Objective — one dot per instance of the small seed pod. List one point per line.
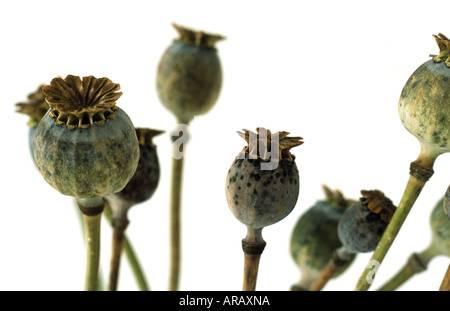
(145, 180)
(362, 224)
(314, 238)
(35, 107)
(424, 108)
(85, 146)
(189, 75)
(262, 188)
(261, 197)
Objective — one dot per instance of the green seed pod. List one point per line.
(362, 224)
(85, 146)
(314, 238)
(424, 105)
(189, 75)
(145, 180)
(35, 107)
(259, 197)
(440, 229)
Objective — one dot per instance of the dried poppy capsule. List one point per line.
(262, 188)
(139, 189)
(359, 230)
(314, 238)
(35, 107)
(85, 146)
(362, 225)
(189, 76)
(424, 110)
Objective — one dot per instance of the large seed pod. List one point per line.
(424, 105)
(314, 238)
(261, 197)
(189, 75)
(85, 146)
(362, 224)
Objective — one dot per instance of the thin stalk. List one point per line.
(92, 225)
(417, 262)
(116, 254)
(119, 224)
(253, 246)
(340, 258)
(327, 274)
(130, 253)
(445, 285)
(421, 171)
(175, 222)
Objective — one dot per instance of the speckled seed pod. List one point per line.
(35, 107)
(85, 146)
(259, 198)
(362, 224)
(189, 75)
(314, 238)
(424, 105)
(145, 180)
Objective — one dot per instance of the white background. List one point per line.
(329, 71)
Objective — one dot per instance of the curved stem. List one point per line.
(445, 285)
(132, 258)
(421, 170)
(416, 263)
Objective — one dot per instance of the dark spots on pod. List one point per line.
(249, 184)
(255, 176)
(282, 180)
(436, 138)
(266, 183)
(277, 175)
(442, 118)
(415, 84)
(235, 197)
(233, 178)
(445, 79)
(236, 202)
(239, 188)
(254, 191)
(229, 171)
(241, 177)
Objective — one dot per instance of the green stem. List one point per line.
(132, 258)
(116, 254)
(416, 263)
(92, 225)
(83, 231)
(175, 223)
(421, 171)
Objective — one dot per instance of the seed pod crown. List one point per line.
(35, 106)
(378, 203)
(77, 102)
(198, 38)
(444, 45)
(262, 142)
